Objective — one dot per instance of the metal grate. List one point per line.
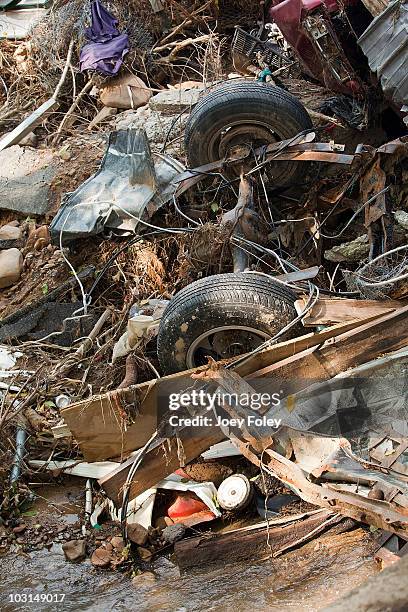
(249, 46)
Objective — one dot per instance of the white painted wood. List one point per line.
(29, 124)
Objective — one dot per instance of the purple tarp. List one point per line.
(107, 47)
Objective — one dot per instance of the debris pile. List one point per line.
(203, 283)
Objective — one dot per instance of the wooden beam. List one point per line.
(243, 544)
(161, 461)
(29, 124)
(284, 350)
(328, 311)
(368, 341)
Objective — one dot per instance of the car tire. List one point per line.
(241, 302)
(258, 106)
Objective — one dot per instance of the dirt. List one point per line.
(80, 157)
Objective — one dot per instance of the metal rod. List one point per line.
(21, 437)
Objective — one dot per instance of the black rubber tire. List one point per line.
(242, 299)
(246, 102)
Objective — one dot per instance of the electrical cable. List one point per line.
(354, 216)
(132, 471)
(182, 214)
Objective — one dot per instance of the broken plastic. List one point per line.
(140, 326)
(140, 509)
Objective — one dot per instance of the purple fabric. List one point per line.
(103, 25)
(107, 47)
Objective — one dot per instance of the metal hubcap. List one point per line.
(239, 140)
(223, 343)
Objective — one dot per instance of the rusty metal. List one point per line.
(321, 156)
(371, 511)
(319, 460)
(400, 145)
(380, 513)
(295, 149)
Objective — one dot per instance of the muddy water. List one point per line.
(307, 579)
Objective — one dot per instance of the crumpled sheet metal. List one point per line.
(382, 514)
(385, 44)
(373, 396)
(131, 184)
(311, 433)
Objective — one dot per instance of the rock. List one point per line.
(20, 528)
(137, 534)
(74, 550)
(173, 101)
(144, 553)
(25, 177)
(10, 237)
(161, 523)
(157, 125)
(30, 140)
(101, 557)
(65, 153)
(118, 543)
(11, 264)
(145, 579)
(173, 533)
(356, 250)
(105, 113)
(38, 238)
(401, 218)
(187, 85)
(126, 91)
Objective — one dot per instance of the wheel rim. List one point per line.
(239, 138)
(224, 342)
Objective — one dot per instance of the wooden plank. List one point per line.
(300, 275)
(99, 424)
(360, 345)
(328, 311)
(160, 462)
(284, 350)
(61, 431)
(243, 544)
(113, 424)
(28, 125)
(350, 349)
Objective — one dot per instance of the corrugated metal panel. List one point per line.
(385, 43)
(375, 6)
